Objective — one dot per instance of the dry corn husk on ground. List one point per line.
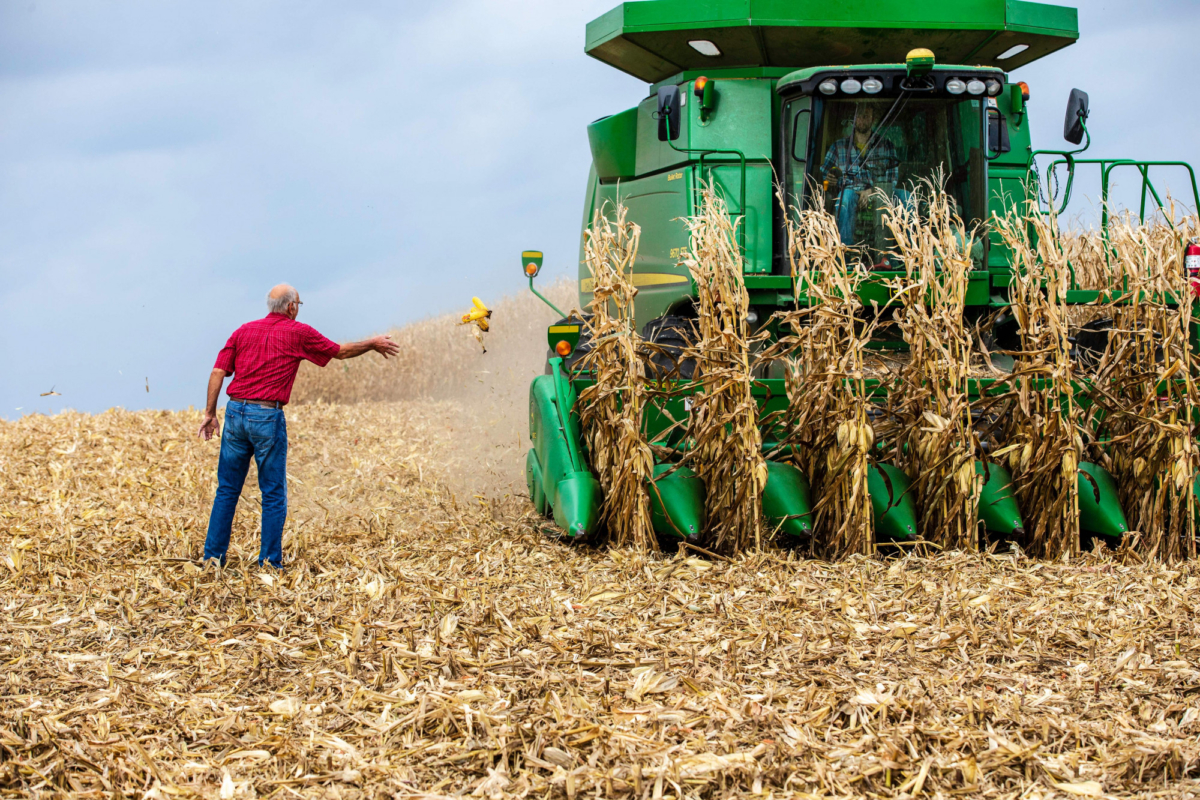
(423, 645)
(826, 426)
(723, 422)
(611, 409)
(930, 404)
(1145, 386)
(1043, 443)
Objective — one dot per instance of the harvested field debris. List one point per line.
(422, 644)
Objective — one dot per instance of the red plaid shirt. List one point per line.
(264, 355)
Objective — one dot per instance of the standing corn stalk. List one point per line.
(611, 409)
(931, 405)
(724, 418)
(1043, 428)
(826, 427)
(1145, 384)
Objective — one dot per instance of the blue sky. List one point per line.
(162, 164)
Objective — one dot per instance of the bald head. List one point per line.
(280, 299)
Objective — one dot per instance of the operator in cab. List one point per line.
(854, 167)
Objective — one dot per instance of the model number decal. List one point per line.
(674, 176)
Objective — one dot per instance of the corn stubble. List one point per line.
(825, 429)
(1145, 386)
(611, 409)
(1042, 433)
(934, 440)
(420, 646)
(723, 422)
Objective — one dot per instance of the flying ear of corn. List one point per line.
(1145, 387)
(723, 423)
(611, 409)
(1044, 446)
(930, 404)
(825, 429)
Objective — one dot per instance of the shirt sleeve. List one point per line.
(225, 358)
(316, 348)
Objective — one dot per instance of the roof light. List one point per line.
(872, 86)
(1024, 91)
(828, 87)
(955, 86)
(851, 86)
(698, 87)
(1012, 51)
(976, 87)
(994, 87)
(705, 48)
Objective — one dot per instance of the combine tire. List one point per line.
(671, 335)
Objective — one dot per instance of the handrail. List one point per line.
(1108, 165)
(742, 198)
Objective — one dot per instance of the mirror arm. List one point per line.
(541, 297)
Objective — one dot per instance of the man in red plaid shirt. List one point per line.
(263, 356)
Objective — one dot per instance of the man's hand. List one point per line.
(210, 427)
(384, 345)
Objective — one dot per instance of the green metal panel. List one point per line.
(741, 119)
(650, 39)
(760, 210)
(614, 145)
(657, 203)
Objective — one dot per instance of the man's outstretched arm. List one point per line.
(210, 427)
(380, 344)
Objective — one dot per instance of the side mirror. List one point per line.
(669, 113)
(1077, 114)
(531, 262)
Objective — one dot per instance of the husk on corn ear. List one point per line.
(611, 409)
(723, 422)
(1044, 446)
(1145, 387)
(825, 428)
(930, 405)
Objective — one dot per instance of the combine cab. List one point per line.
(751, 95)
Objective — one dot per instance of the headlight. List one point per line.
(955, 86)
(994, 88)
(828, 87)
(976, 87)
(872, 86)
(851, 86)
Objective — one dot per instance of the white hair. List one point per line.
(278, 305)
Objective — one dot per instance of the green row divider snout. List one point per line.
(892, 503)
(787, 500)
(677, 502)
(1100, 511)
(998, 509)
(576, 504)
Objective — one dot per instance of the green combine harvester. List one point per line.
(745, 94)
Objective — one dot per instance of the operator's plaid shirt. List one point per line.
(862, 171)
(264, 355)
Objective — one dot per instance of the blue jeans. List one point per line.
(260, 432)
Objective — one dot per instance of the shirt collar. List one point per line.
(280, 316)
